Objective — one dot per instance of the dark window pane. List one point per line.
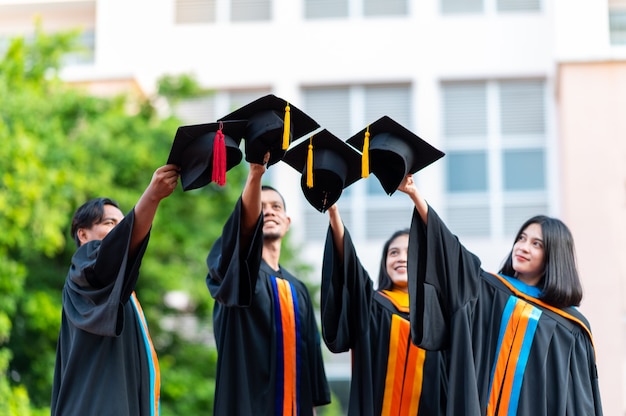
(322, 9)
(524, 170)
(467, 171)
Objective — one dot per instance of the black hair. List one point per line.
(271, 188)
(88, 214)
(384, 280)
(560, 284)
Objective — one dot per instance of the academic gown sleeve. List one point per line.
(346, 296)
(233, 269)
(443, 276)
(101, 279)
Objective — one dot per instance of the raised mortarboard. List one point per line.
(328, 166)
(391, 151)
(272, 124)
(205, 152)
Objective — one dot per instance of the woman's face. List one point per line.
(529, 256)
(396, 261)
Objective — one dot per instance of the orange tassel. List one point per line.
(365, 161)
(309, 165)
(287, 127)
(218, 175)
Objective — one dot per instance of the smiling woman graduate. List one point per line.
(517, 344)
(390, 375)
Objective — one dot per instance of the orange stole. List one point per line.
(287, 341)
(405, 365)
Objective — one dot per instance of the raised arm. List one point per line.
(336, 225)
(163, 183)
(251, 201)
(408, 187)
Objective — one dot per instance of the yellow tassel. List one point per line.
(365, 161)
(287, 127)
(309, 165)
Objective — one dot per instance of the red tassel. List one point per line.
(219, 159)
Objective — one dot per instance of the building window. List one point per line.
(385, 8)
(195, 11)
(197, 110)
(617, 25)
(461, 6)
(366, 209)
(324, 9)
(517, 5)
(480, 6)
(495, 137)
(210, 107)
(531, 163)
(467, 171)
(250, 10)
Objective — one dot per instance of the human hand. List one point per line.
(407, 185)
(164, 181)
(258, 169)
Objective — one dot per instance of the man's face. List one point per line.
(275, 219)
(112, 216)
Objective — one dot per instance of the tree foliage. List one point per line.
(60, 147)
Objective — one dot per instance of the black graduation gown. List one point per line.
(388, 371)
(509, 352)
(105, 362)
(251, 366)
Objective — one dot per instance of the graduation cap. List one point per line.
(391, 152)
(328, 166)
(205, 152)
(272, 123)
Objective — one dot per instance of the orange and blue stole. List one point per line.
(287, 347)
(405, 363)
(153, 362)
(517, 331)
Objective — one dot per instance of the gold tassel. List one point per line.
(309, 165)
(287, 127)
(365, 162)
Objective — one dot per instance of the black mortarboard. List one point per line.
(205, 152)
(391, 152)
(328, 165)
(272, 125)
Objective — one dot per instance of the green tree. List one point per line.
(62, 146)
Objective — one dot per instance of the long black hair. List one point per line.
(88, 214)
(560, 284)
(384, 280)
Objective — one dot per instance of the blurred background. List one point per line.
(526, 97)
